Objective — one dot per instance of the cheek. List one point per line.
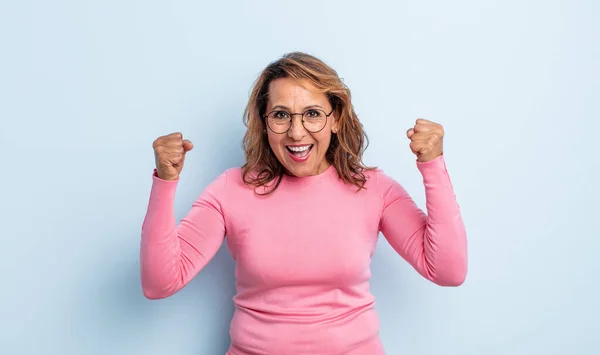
(323, 141)
(274, 142)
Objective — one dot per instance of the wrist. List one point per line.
(166, 177)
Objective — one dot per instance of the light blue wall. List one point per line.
(86, 86)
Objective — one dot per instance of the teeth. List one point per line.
(299, 149)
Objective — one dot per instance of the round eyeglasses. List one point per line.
(313, 120)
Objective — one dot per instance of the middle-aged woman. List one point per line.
(301, 218)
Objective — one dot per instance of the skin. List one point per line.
(426, 140)
(426, 137)
(296, 96)
(169, 155)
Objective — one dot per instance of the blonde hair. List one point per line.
(262, 168)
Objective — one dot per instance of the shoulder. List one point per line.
(227, 177)
(234, 176)
(220, 187)
(384, 184)
(376, 178)
(231, 180)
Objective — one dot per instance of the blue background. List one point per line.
(86, 86)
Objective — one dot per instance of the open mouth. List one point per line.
(299, 152)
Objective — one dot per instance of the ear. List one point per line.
(335, 127)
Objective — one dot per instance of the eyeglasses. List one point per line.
(313, 120)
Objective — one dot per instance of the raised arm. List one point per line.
(435, 244)
(172, 253)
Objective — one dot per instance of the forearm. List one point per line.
(444, 236)
(160, 249)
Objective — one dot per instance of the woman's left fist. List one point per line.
(426, 140)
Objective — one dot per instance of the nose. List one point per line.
(296, 131)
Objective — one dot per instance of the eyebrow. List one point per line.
(288, 109)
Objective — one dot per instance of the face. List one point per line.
(301, 152)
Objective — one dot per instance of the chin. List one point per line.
(308, 168)
(298, 169)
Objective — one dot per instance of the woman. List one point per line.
(302, 217)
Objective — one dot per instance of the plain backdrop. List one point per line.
(86, 86)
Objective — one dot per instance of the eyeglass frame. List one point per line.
(265, 117)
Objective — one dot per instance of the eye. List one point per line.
(312, 114)
(282, 115)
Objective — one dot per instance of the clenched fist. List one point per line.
(169, 153)
(426, 140)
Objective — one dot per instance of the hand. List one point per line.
(426, 140)
(169, 154)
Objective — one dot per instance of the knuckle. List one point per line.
(170, 138)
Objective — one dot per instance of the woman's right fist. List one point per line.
(169, 154)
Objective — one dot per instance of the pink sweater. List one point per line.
(303, 253)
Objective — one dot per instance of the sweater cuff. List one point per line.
(163, 189)
(434, 171)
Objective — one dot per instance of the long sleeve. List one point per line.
(172, 254)
(435, 244)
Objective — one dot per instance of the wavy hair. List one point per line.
(262, 168)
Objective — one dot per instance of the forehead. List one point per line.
(290, 92)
